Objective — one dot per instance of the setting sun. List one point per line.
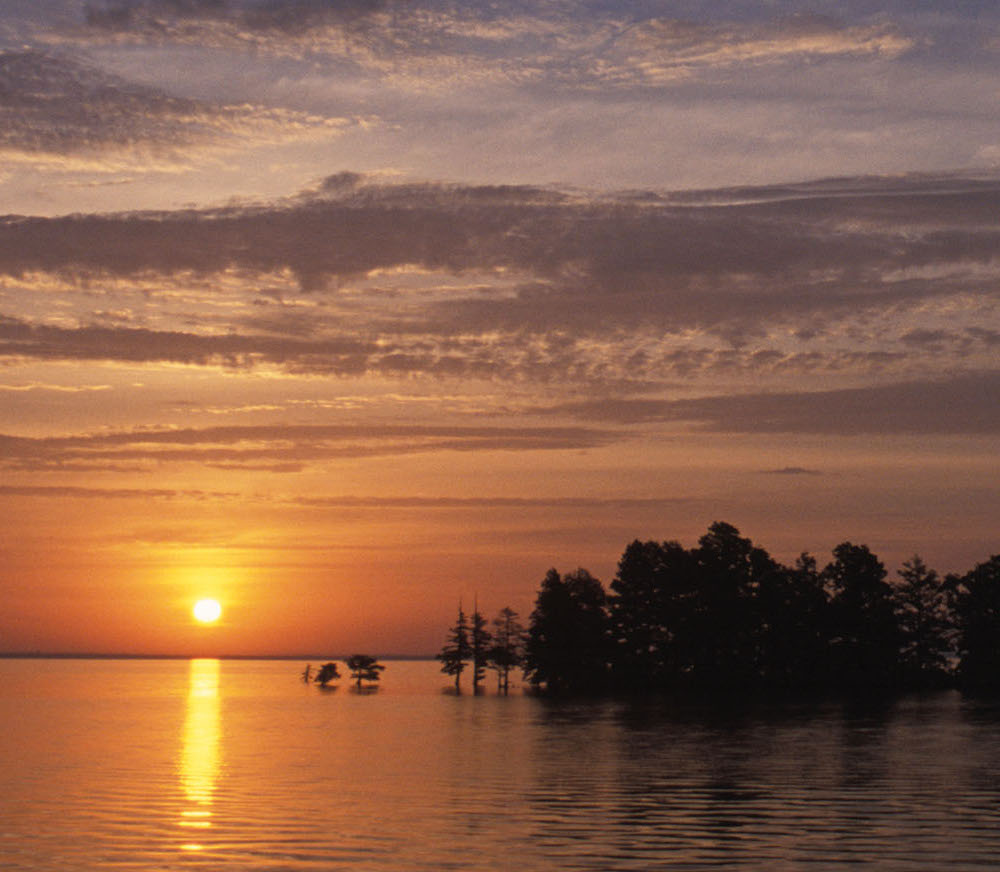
(207, 611)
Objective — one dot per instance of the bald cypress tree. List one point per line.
(507, 650)
(457, 651)
(479, 647)
(864, 637)
(977, 607)
(925, 624)
(568, 643)
(364, 669)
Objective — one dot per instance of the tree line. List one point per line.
(725, 616)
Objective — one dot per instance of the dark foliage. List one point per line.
(925, 625)
(364, 668)
(864, 632)
(457, 651)
(726, 617)
(327, 672)
(977, 611)
(507, 650)
(568, 641)
(479, 644)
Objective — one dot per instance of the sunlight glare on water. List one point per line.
(238, 765)
(200, 755)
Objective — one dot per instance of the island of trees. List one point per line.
(726, 617)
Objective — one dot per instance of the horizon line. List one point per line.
(95, 655)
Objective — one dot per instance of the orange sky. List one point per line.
(344, 322)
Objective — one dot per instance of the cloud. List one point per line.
(965, 404)
(19, 339)
(406, 503)
(61, 492)
(59, 389)
(660, 51)
(850, 276)
(67, 114)
(835, 248)
(420, 44)
(279, 447)
(464, 503)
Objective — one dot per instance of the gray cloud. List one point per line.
(967, 404)
(850, 275)
(18, 338)
(631, 261)
(56, 108)
(824, 247)
(571, 43)
(279, 447)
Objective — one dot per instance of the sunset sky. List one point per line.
(341, 311)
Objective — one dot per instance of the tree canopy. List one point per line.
(364, 669)
(725, 616)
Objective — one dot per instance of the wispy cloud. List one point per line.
(968, 404)
(67, 114)
(346, 501)
(279, 448)
(425, 44)
(58, 389)
(61, 492)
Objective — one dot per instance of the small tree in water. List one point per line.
(480, 639)
(507, 651)
(327, 672)
(457, 651)
(364, 668)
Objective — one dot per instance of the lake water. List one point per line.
(237, 765)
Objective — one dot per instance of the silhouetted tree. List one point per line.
(730, 570)
(327, 672)
(977, 611)
(793, 646)
(922, 609)
(364, 668)
(479, 642)
(651, 615)
(457, 651)
(567, 646)
(506, 653)
(864, 629)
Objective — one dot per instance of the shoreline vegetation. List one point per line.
(725, 619)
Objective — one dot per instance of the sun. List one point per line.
(207, 611)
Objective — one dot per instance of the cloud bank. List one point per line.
(868, 277)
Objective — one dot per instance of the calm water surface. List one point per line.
(146, 765)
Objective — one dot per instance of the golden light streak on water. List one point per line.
(199, 767)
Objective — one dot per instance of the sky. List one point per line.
(346, 312)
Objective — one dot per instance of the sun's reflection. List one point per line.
(200, 751)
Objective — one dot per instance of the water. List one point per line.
(164, 765)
